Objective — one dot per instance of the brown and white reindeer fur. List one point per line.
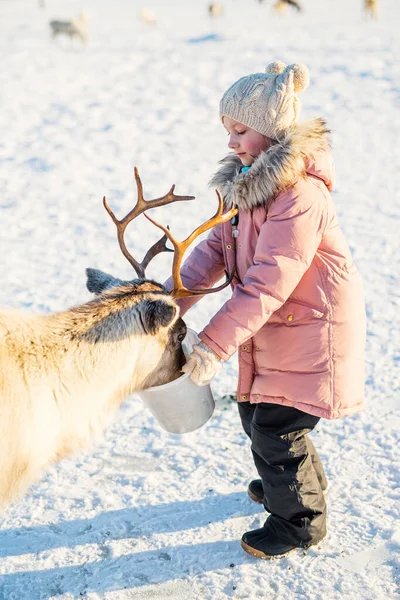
(63, 376)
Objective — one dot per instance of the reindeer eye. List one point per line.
(181, 337)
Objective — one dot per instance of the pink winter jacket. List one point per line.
(297, 313)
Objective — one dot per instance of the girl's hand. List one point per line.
(203, 363)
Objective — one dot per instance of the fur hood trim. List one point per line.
(274, 170)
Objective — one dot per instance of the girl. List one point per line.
(296, 315)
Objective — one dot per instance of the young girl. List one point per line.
(296, 315)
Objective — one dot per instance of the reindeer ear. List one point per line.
(97, 281)
(155, 314)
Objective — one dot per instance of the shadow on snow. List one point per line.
(134, 569)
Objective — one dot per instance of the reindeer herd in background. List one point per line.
(78, 27)
(369, 7)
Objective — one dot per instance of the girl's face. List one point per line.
(245, 142)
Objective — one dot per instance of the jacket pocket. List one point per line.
(294, 313)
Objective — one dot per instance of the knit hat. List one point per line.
(267, 102)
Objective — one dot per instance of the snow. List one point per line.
(145, 514)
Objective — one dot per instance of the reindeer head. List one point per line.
(141, 308)
(155, 310)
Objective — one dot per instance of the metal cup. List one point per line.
(180, 406)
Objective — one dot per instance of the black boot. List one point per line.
(259, 544)
(265, 543)
(256, 490)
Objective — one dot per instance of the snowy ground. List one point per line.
(145, 514)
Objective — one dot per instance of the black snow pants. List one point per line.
(292, 474)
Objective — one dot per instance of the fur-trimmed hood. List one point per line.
(303, 149)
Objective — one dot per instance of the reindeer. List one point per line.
(75, 28)
(147, 16)
(281, 6)
(215, 10)
(371, 9)
(63, 376)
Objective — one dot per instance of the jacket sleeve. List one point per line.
(202, 269)
(287, 243)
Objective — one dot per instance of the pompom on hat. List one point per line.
(267, 102)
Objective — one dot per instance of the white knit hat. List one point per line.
(267, 102)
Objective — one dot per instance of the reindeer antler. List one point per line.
(140, 207)
(180, 291)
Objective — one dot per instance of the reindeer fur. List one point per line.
(63, 376)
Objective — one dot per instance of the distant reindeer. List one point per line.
(215, 9)
(63, 376)
(77, 28)
(147, 16)
(281, 6)
(371, 9)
